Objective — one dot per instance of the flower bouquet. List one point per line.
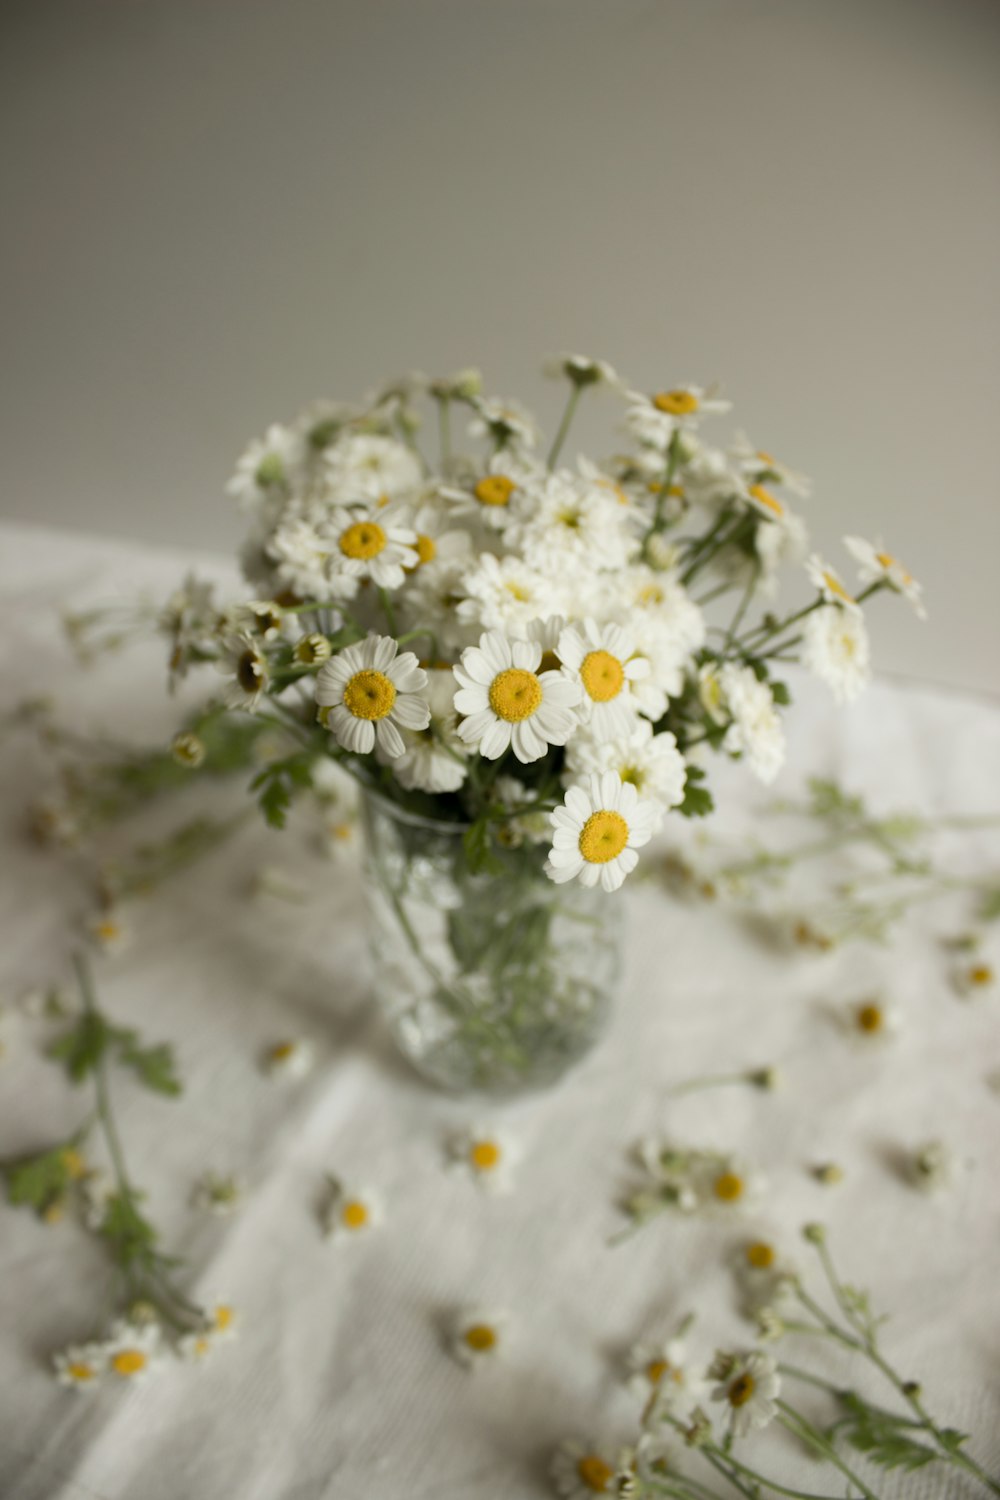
(523, 663)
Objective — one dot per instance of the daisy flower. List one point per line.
(132, 1350)
(765, 1278)
(835, 647)
(760, 467)
(660, 1366)
(299, 550)
(494, 496)
(475, 1336)
(654, 419)
(433, 759)
(370, 693)
(570, 518)
(291, 1058)
(756, 728)
(579, 1471)
(366, 548)
(504, 593)
(875, 564)
(601, 661)
(931, 1166)
(245, 666)
(221, 1324)
(506, 423)
(508, 703)
(829, 583)
(726, 1184)
(368, 468)
(80, 1366)
(267, 466)
(347, 1213)
(748, 1385)
(485, 1155)
(650, 762)
(597, 832)
(975, 979)
(581, 370)
(870, 1021)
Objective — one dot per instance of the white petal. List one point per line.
(389, 738)
(411, 711)
(612, 875)
(495, 741)
(527, 743)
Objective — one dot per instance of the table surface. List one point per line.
(340, 1384)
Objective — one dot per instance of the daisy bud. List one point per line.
(814, 1233)
(188, 750)
(311, 650)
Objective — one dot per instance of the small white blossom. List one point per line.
(748, 1386)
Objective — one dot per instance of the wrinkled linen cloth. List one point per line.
(340, 1383)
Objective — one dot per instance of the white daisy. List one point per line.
(760, 467)
(506, 423)
(369, 693)
(246, 667)
(976, 979)
(484, 1154)
(835, 647)
(508, 703)
(666, 659)
(433, 759)
(778, 543)
(870, 1022)
(366, 548)
(654, 595)
(368, 468)
(875, 563)
(650, 762)
(829, 583)
(726, 1185)
(571, 518)
(290, 1058)
(476, 1336)
(654, 419)
(504, 593)
(931, 1166)
(748, 1386)
(660, 1366)
(221, 1324)
(347, 1213)
(132, 1350)
(494, 497)
(765, 1278)
(300, 551)
(601, 661)
(267, 467)
(579, 1471)
(581, 370)
(756, 728)
(80, 1366)
(597, 832)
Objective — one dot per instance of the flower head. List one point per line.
(348, 1213)
(836, 649)
(507, 703)
(597, 831)
(484, 1154)
(748, 1388)
(600, 661)
(875, 565)
(370, 692)
(476, 1336)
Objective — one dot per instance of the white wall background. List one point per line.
(213, 211)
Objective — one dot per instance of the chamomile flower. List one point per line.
(505, 593)
(836, 649)
(600, 660)
(581, 370)
(760, 467)
(660, 1366)
(109, 931)
(267, 466)
(367, 468)
(726, 1185)
(829, 583)
(876, 564)
(650, 762)
(580, 1471)
(508, 703)
(476, 1336)
(369, 548)
(133, 1350)
(370, 693)
(187, 750)
(494, 496)
(756, 728)
(931, 1166)
(485, 1155)
(433, 759)
(221, 1324)
(289, 1058)
(81, 1366)
(244, 664)
(597, 831)
(348, 1213)
(976, 979)
(506, 423)
(871, 1021)
(656, 597)
(654, 419)
(748, 1386)
(570, 521)
(765, 1277)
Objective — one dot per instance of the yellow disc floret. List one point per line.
(766, 499)
(602, 675)
(480, 1337)
(594, 1473)
(603, 837)
(760, 1255)
(728, 1187)
(129, 1362)
(426, 548)
(494, 489)
(369, 695)
(836, 588)
(354, 1214)
(363, 540)
(484, 1155)
(676, 403)
(741, 1389)
(515, 694)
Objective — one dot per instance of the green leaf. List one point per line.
(154, 1066)
(131, 1237)
(989, 905)
(81, 1048)
(278, 783)
(698, 801)
(888, 1447)
(780, 693)
(478, 847)
(38, 1181)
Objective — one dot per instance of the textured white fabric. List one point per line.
(339, 1384)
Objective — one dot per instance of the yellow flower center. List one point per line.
(129, 1362)
(480, 1337)
(363, 540)
(602, 676)
(249, 671)
(633, 775)
(760, 1255)
(741, 1389)
(886, 560)
(835, 587)
(766, 458)
(981, 974)
(655, 1370)
(81, 1372)
(515, 694)
(676, 403)
(54, 1211)
(650, 593)
(603, 837)
(594, 1473)
(202, 1345)
(870, 1018)
(282, 1052)
(222, 1317)
(426, 548)
(494, 489)
(766, 499)
(74, 1163)
(354, 1214)
(728, 1187)
(485, 1155)
(369, 695)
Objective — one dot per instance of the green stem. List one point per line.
(803, 1429)
(387, 609)
(564, 424)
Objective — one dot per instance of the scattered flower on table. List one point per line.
(80, 1366)
(726, 1184)
(871, 1021)
(290, 1058)
(109, 931)
(188, 750)
(486, 1155)
(748, 1387)
(828, 1173)
(218, 1193)
(220, 1326)
(764, 1276)
(133, 1350)
(580, 1470)
(659, 1367)
(931, 1166)
(976, 979)
(348, 1213)
(476, 1336)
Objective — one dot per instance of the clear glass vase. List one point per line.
(495, 981)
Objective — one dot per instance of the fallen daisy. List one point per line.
(291, 1058)
(485, 1155)
(221, 1325)
(579, 1471)
(347, 1214)
(80, 1366)
(748, 1386)
(871, 1021)
(476, 1336)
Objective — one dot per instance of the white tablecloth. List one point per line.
(339, 1385)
